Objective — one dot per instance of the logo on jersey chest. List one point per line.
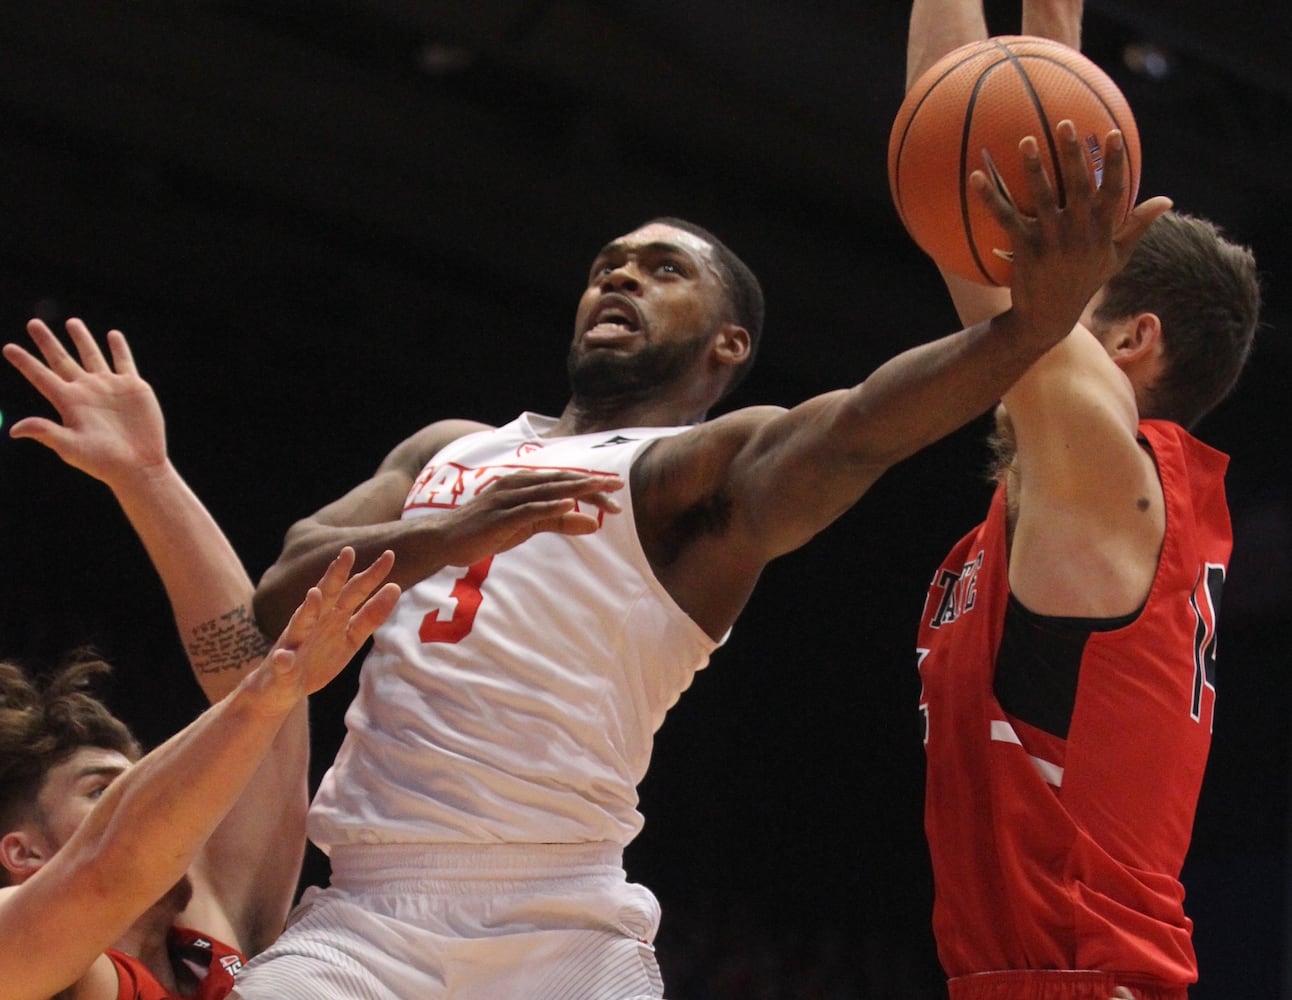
(448, 485)
(611, 442)
(953, 593)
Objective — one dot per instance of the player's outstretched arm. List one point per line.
(151, 821)
(766, 481)
(1062, 256)
(508, 511)
(112, 429)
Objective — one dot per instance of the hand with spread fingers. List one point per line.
(520, 505)
(1065, 253)
(112, 426)
(332, 623)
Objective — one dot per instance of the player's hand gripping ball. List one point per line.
(968, 112)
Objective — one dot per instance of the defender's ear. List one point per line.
(731, 345)
(22, 855)
(1136, 339)
(1135, 346)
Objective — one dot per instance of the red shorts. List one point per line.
(1056, 985)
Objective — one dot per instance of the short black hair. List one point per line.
(744, 293)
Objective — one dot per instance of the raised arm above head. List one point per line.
(1059, 20)
(154, 817)
(936, 28)
(112, 429)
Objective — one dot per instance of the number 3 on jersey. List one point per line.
(466, 598)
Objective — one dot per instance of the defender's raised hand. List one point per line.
(335, 619)
(112, 425)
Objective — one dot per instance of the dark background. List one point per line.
(325, 224)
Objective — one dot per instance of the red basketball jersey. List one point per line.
(1065, 756)
(213, 963)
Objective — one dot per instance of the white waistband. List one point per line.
(364, 865)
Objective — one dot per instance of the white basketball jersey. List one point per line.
(515, 700)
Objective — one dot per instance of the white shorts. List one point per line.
(419, 922)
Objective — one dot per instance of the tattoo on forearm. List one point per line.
(227, 642)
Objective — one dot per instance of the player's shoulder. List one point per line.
(411, 454)
(723, 435)
(735, 427)
(750, 416)
(700, 455)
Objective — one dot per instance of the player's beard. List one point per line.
(601, 377)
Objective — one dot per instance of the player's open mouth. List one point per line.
(614, 322)
(615, 310)
(609, 333)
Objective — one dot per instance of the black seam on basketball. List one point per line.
(1055, 172)
(1116, 122)
(964, 171)
(910, 121)
(1014, 59)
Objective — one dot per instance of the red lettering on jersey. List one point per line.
(449, 485)
(466, 597)
(446, 486)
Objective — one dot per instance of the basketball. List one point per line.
(968, 112)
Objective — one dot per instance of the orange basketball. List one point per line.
(978, 102)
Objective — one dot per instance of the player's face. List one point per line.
(72, 789)
(653, 301)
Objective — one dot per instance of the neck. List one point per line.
(582, 416)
